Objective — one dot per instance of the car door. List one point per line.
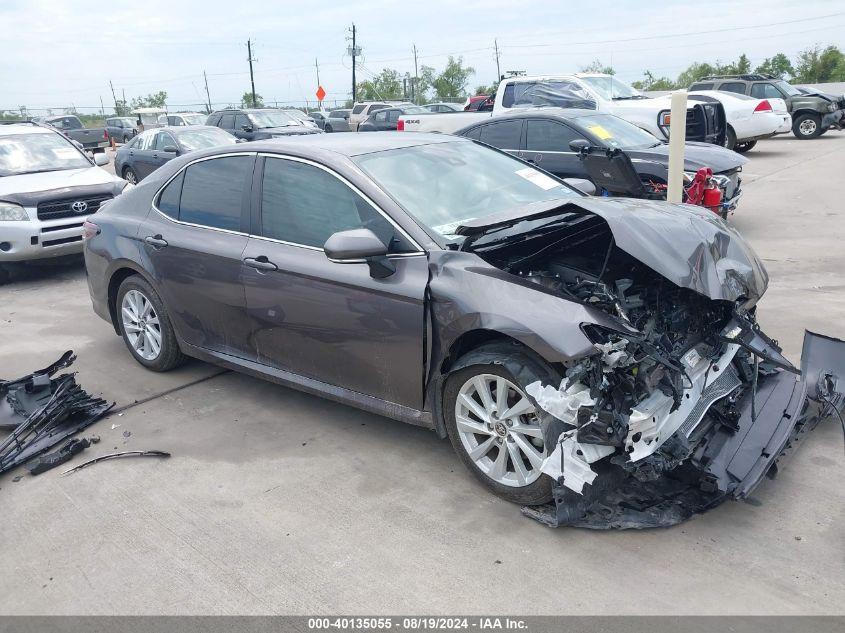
(163, 140)
(141, 156)
(505, 135)
(243, 127)
(546, 144)
(193, 242)
(379, 120)
(392, 119)
(332, 322)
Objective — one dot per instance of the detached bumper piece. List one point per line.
(40, 411)
(744, 438)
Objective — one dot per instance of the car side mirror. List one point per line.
(101, 160)
(581, 184)
(170, 149)
(579, 145)
(360, 245)
(246, 128)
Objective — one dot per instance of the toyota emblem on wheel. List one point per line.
(80, 206)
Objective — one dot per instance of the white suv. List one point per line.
(48, 186)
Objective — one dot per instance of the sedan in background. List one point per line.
(182, 119)
(151, 149)
(441, 108)
(543, 136)
(255, 124)
(388, 119)
(121, 128)
(338, 121)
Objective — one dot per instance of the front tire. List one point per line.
(145, 326)
(327, 129)
(807, 126)
(742, 148)
(494, 427)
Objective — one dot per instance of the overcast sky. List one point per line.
(62, 52)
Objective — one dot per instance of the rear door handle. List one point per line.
(260, 263)
(155, 241)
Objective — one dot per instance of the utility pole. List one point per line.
(102, 109)
(354, 51)
(498, 71)
(207, 93)
(124, 109)
(251, 76)
(113, 96)
(416, 77)
(317, 66)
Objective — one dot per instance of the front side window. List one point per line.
(213, 190)
(33, 153)
(162, 140)
(227, 121)
(303, 204)
(358, 109)
(446, 184)
(380, 117)
(765, 91)
(241, 121)
(504, 135)
(788, 89)
(543, 135)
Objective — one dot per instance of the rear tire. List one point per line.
(145, 326)
(490, 366)
(744, 147)
(130, 176)
(4, 275)
(327, 129)
(807, 126)
(730, 138)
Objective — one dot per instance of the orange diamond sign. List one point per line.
(321, 94)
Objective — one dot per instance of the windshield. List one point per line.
(787, 88)
(272, 118)
(30, 153)
(200, 139)
(612, 131)
(444, 185)
(611, 88)
(194, 119)
(415, 110)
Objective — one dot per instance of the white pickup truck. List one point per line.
(593, 91)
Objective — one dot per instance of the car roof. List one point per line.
(12, 129)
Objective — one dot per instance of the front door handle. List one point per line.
(260, 263)
(156, 241)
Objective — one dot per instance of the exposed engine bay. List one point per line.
(637, 425)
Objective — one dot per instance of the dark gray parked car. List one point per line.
(121, 129)
(151, 149)
(571, 348)
(260, 123)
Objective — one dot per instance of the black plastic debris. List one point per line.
(103, 458)
(39, 411)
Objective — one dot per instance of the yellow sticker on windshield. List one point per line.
(600, 132)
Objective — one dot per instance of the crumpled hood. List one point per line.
(688, 245)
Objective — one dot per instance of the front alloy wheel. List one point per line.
(145, 325)
(499, 429)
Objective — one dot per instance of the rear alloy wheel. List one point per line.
(130, 176)
(145, 326)
(495, 428)
(807, 126)
(744, 147)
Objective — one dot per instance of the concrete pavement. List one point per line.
(279, 502)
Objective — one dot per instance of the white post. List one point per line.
(677, 139)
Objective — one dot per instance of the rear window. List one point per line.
(212, 192)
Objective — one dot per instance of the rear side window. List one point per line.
(213, 191)
(504, 135)
(701, 87)
(213, 119)
(168, 199)
(377, 106)
(765, 91)
(548, 136)
(392, 116)
(305, 205)
(733, 86)
(227, 121)
(474, 133)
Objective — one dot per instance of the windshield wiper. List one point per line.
(629, 97)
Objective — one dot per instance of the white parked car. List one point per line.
(363, 109)
(48, 186)
(750, 119)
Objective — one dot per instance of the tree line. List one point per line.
(813, 65)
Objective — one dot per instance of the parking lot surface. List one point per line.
(279, 502)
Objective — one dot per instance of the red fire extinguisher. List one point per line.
(704, 191)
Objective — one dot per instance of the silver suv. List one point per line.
(48, 186)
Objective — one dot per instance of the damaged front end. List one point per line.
(685, 402)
